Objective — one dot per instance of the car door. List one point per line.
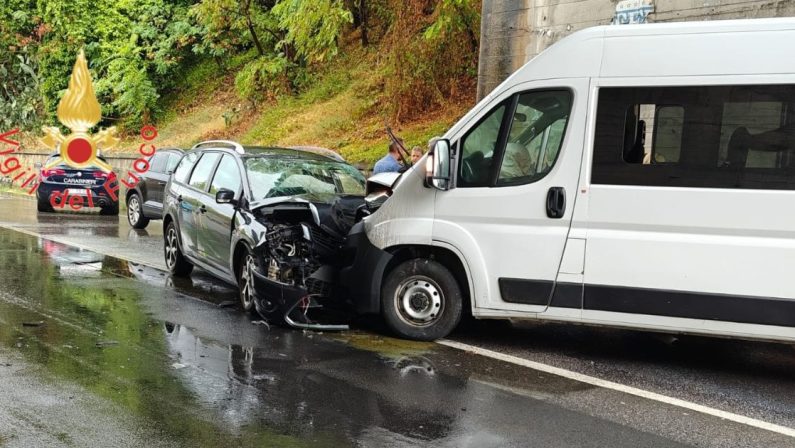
(511, 209)
(154, 183)
(194, 202)
(215, 236)
(174, 198)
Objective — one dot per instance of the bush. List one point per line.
(432, 54)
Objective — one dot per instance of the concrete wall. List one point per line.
(514, 31)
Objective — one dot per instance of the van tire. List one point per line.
(421, 300)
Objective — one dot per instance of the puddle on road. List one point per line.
(205, 376)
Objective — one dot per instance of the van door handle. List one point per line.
(556, 202)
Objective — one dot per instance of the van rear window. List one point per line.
(706, 136)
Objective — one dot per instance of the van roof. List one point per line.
(706, 48)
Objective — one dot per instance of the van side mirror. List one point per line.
(437, 166)
(225, 196)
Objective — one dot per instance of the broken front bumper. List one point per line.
(287, 298)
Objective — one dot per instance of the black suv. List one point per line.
(145, 200)
(269, 220)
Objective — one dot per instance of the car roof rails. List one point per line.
(229, 144)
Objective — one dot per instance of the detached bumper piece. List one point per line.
(292, 302)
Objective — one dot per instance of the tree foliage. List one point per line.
(138, 48)
(312, 27)
(433, 53)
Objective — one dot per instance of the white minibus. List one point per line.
(638, 176)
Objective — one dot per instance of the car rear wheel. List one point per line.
(421, 300)
(110, 210)
(245, 279)
(175, 261)
(44, 206)
(135, 213)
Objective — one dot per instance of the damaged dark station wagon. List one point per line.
(270, 220)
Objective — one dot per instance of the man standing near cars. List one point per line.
(390, 162)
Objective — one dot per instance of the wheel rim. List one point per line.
(134, 210)
(171, 247)
(247, 282)
(419, 301)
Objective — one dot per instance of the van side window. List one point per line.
(535, 136)
(477, 150)
(696, 136)
(653, 134)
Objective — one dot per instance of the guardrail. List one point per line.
(121, 164)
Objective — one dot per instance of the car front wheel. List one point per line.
(421, 300)
(135, 213)
(175, 261)
(245, 279)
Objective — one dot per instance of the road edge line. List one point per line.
(605, 384)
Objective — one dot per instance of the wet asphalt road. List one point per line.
(98, 351)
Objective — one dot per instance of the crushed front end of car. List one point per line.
(299, 258)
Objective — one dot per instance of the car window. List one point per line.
(185, 166)
(316, 180)
(226, 176)
(157, 163)
(204, 169)
(173, 160)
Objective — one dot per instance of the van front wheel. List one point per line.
(421, 300)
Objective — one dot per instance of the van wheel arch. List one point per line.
(445, 257)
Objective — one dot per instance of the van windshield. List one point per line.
(310, 179)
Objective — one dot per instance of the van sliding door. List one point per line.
(691, 208)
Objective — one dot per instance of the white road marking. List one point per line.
(790, 432)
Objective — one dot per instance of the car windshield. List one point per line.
(310, 179)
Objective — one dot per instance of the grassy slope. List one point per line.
(340, 109)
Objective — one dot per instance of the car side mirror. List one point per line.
(437, 166)
(225, 196)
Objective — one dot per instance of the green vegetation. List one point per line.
(309, 72)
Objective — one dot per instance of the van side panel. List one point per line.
(702, 232)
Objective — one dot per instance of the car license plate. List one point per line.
(76, 191)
